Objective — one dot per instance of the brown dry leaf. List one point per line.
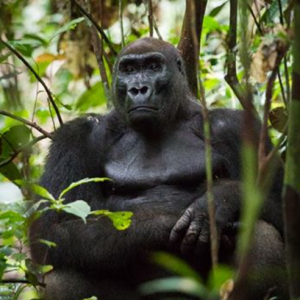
(48, 57)
(264, 59)
(226, 289)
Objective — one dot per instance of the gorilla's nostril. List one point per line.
(133, 91)
(144, 90)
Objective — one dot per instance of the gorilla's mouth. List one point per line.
(143, 108)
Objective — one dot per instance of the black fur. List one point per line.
(152, 147)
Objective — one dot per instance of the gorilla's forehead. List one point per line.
(148, 45)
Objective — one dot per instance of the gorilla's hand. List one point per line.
(192, 231)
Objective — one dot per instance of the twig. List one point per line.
(99, 29)
(264, 130)
(18, 151)
(99, 56)
(231, 76)
(255, 20)
(150, 17)
(156, 29)
(121, 23)
(186, 45)
(286, 72)
(31, 124)
(208, 148)
(38, 79)
(22, 281)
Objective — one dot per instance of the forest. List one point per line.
(62, 60)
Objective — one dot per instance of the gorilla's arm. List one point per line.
(76, 154)
(192, 229)
(97, 245)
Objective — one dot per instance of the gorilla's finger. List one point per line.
(191, 236)
(180, 227)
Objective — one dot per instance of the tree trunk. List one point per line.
(292, 170)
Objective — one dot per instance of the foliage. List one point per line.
(56, 43)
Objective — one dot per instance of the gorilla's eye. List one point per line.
(128, 69)
(155, 67)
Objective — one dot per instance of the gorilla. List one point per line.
(151, 145)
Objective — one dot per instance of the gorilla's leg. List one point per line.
(71, 285)
(268, 268)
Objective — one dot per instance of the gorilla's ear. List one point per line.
(180, 67)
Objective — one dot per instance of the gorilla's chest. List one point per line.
(176, 160)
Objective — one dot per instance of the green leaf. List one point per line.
(82, 181)
(10, 171)
(78, 208)
(121, 220)
(4, 57)
(13, 139)
(92, 298)
(12, 216)
(92, 97)
(36, 269)
(278, 118)
(175, 265)
(69, 26)
(187, 286)
(210, 24)
(215, 11)
(37, 189)
(219, 276)
(24, 47)
(3, 264)
(35, 40)
(273, 11)
(48, 243)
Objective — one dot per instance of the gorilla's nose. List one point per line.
(139, 93)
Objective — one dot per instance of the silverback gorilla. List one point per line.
(151, 146)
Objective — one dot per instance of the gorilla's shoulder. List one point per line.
(224, 119)
(91, 129)
(80, 127)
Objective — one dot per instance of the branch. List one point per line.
(150, 17)
(99, 29)
(31, 124)
(21, 281)
(214, 243)
(190, 51)
(39, 79)
(231, 76)
(121, 23)
(262, 155)
(98, 48)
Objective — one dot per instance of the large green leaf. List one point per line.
(10, 171)
(175, 265)
(273, 11)
(36, 189)
(78, 208)
(69, 26)
(80, 182)
(92, 97)
(13, 139)
(121, 219)
(186, 286)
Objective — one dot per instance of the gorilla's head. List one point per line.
(149, 84)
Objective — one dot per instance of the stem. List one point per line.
(150, 17)
(99, 29)
(121, 23)
(31, 124)
(39, 79)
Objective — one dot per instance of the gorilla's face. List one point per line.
(147, 87)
